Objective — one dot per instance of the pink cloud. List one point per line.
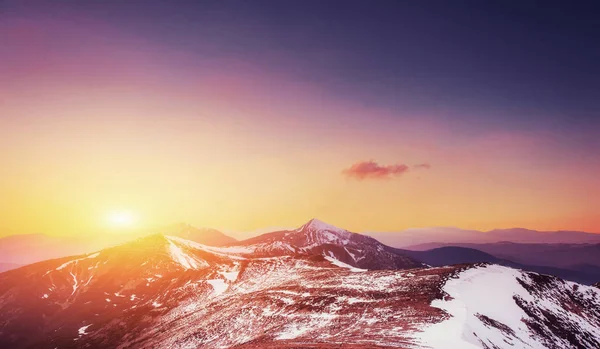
(372, 170)
(425, 166)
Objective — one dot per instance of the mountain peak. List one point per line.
(205, 236)
(317, 238)
(316, 225)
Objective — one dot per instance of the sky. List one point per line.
(372, 116)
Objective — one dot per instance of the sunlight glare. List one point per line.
(121, 219)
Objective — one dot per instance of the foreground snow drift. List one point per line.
(499, 307)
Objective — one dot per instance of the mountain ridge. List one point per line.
(318, 237)
(418, 236)
(164, 291)
(450, 255)
(31, 248)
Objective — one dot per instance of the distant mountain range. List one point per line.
(317, 286)
(450, 255)
(576, 256)
(419, 236)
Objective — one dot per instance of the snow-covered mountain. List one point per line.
(319, 238)
(17, 250)
(168, 292)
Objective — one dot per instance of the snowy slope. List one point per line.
(499, 307)
(319, 238)
(137, 276)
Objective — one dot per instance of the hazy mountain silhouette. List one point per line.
(445, 235)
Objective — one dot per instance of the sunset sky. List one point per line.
(375, 116)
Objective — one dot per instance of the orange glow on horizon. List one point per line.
(227, 147)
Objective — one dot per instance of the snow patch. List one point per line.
(487, 291)
(89, 280)
(219, 286)
(224, 251)
(75, 283)
(315, 224)
(186, 261)
(231, 275)
(344, 265)
(64, 265)
(82, 329)
(351, 254)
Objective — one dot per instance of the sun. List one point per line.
(121, 219)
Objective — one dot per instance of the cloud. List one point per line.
(424, 165)
(372, 170)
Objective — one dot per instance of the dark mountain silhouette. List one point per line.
(555, 255)
(450, 255)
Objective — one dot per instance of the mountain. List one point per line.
(415, 236)
(206, 236)
(555, 255)
(168, 292)
(522, 235)
(319, 238)
(55, 295)
(450, 255)
(499, 307)
(443, 235)
(31, 248)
